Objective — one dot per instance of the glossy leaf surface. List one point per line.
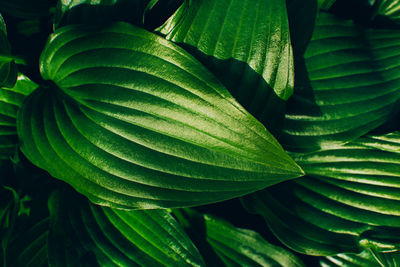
(246, 44)
(236, 246)
(350, 85)
(133, 121)
(8, 69)
(11, 100)
(100, 236)
(348, 200)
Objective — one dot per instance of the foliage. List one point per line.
(199, 133)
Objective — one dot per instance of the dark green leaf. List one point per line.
(8, 69)
(27, 9)
(389, 9)
(98, 236)
(348, 200)
(29, 247)
(364, 259)
(246, 44)
(134, 121)
(97, 12)
(237, 246)
(350, 85)
(11, 100)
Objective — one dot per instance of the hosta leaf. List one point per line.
(10, 101)
(349, 199)
(237, 246)
(134, 121)
(246, 44)
(365, 259)
(351, 85)
(99, 11)
(157, 12)
(389, 9)
(301, 15)
(29, 247)
(100, 236)
(8, 69)
(27, 9)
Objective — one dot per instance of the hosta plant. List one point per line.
(199, 133)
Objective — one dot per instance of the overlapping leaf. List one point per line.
(11, 100)
(363, 259)
(133, 121)
(350, 84)
(8, 69)
(96, 12)
(349, 199)
(98, 236)
(236, 246)
(246, 44)
(28, 248)
(389, 9)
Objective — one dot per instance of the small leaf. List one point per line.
(8, 69)
(100, 236)
(133, 121)
(348, 200)
(349, 85)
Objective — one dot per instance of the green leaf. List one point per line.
(27, 9)
(302, 15)
(29, 247)
(350, 85)
(133, 121)
(11, 100)
(246, 44)
(363, 259)
(348, 200)
(367, 258)
(98, 236)
(99, 11)
(237, 246)
(389, 9)
(325, 4)
(8, 69)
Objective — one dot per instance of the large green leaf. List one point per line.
(350, 84)
(246, 44)
(348, 200)
(99, 11)
(133, 121)
(236, 246)
(98, 236)
(10, 101)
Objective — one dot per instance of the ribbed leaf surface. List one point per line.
(389, 9)
(134, 121)
(246, 44)
(234, 246)
(11, 100)
(349, 199)
(96, 236)
(365, 259)
(350, 85)
(29, 247)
